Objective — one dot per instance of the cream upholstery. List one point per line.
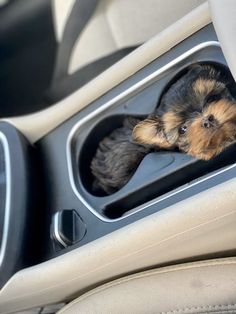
(223, 16)
(61, 13)
(200, 287)
(201, 226)
(117, 24)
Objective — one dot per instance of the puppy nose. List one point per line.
(208, 122)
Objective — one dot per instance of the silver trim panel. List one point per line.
(55, 230)
(112, 102)
(4, 141)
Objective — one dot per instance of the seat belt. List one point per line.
(79, 16)
(63, 84)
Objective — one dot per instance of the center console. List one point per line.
(46, 189)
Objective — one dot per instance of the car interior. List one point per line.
(71, 71)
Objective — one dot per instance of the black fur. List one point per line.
(182, 92)
(116, 159)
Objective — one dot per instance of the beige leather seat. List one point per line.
(199, 287)
(117, 24)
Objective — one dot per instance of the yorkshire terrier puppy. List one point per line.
(197, 115)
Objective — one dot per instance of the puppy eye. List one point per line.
(213, 98)
(183, 129)
(211, 118)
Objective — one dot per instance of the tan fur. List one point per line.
(150, 132)
(222, 110)
(204, 87)
(206, 143)
(200, 142)
(172, 122)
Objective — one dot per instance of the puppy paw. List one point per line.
(150, 133)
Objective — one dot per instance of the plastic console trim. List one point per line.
(112, 102)
(3, 245)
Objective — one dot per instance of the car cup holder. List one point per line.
(160, 173)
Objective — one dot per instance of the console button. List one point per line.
(67, 228)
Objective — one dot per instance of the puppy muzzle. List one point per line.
(209, 122)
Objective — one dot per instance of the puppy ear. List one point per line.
(150, 132)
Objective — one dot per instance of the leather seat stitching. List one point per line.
(204, 264)
(204, 307)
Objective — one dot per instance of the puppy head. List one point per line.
(198, 116)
